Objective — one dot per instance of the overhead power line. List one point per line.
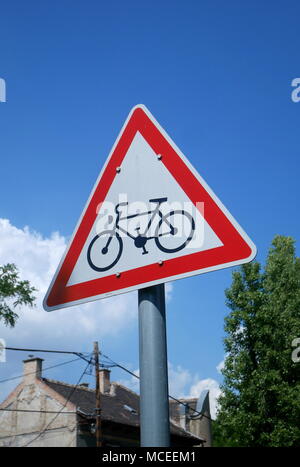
(185, 404)
(45, 369)
(36, 411)
(42, 350)
(81, 355)
(56, 430)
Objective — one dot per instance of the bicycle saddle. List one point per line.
(158, 200)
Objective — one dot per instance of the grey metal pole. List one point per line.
(154, 402)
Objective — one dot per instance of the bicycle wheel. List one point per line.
(174, 231)
(105, 250)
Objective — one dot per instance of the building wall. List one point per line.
(19, 428)
(201, 427)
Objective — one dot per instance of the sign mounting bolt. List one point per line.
(118, 169)
(159, 157)
(160, 263)
(118, 274)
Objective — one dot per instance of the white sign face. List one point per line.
(150, 218)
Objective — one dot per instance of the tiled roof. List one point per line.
(112, 404)
(120, 405)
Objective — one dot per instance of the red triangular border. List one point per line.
(234, 248)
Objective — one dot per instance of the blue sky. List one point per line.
(216, 75)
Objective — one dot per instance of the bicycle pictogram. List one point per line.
(106, 248)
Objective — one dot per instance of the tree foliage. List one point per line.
(260, 402)
(13, 292)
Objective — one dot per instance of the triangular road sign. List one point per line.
(149, 219)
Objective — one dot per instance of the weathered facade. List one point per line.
(44, 412)
(18, 428)
(190, 420)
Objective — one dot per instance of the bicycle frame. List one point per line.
(140, 239)
(154, 212)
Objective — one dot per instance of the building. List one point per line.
(44, 412)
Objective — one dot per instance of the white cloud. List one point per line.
(220, 366)
(169, 291)
(179, 380)
(37, 258)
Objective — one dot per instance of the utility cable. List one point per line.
(44, 369)
(185, 404)
(35, 411)
(79, 354)
(114, 364)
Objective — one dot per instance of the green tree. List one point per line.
(13, 292)
(260, 402)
